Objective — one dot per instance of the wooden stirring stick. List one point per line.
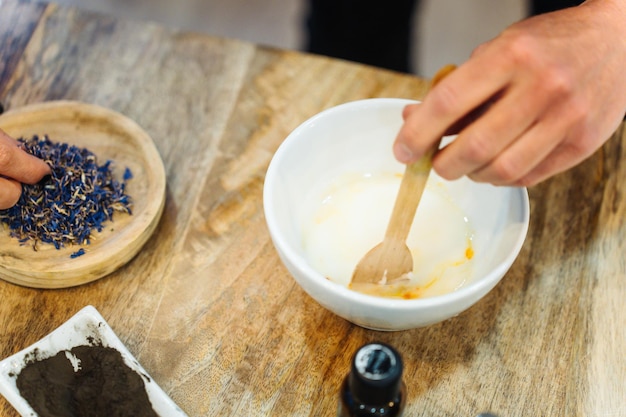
(392, 259)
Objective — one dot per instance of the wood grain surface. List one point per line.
(207, 307)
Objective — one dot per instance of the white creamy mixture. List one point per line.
(350, 216)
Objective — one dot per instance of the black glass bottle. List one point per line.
(374, 386)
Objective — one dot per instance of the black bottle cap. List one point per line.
(376, 374)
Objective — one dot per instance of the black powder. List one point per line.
(101, 385)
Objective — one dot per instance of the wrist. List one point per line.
(611, 16)
(612, 10)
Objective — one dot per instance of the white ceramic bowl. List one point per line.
(356, 138)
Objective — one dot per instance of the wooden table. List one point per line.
(208, 308)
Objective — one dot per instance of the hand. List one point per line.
(534, 101)
(16, 167)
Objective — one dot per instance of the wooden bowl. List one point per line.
(110, 136)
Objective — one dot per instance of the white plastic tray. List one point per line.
(84, 327)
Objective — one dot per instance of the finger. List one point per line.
(559, 127)
(408, 109)
(521, 157)
(484, 139)
(470, 118)
(457, 126)
(10, 191)
(17, 164)
(7, 140)
(456, 96)
(562, 158)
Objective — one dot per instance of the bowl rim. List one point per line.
(479, 286)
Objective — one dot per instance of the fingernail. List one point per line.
(402, 152)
